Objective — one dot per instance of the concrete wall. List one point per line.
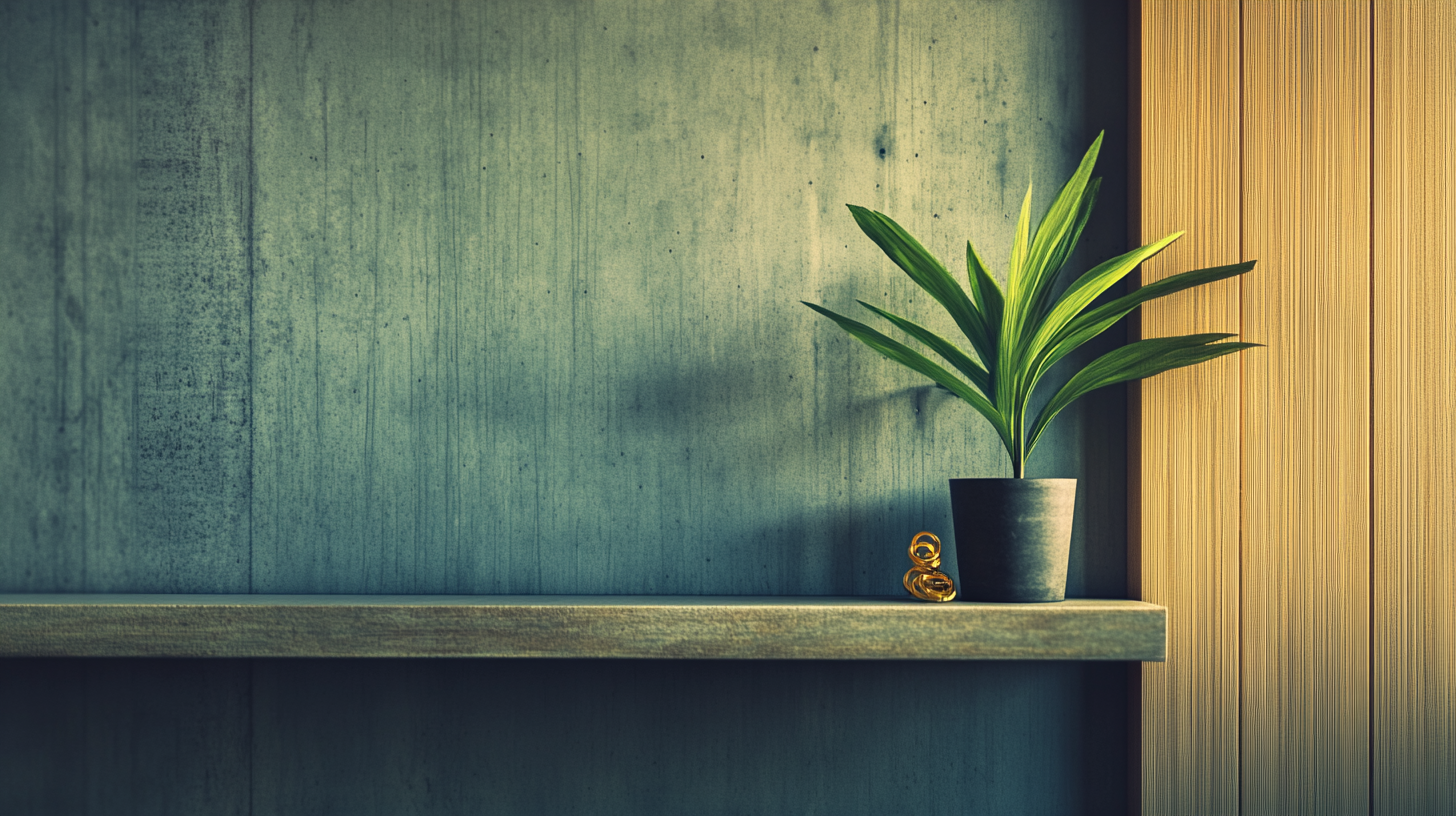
(503, 298)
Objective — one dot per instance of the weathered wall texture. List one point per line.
(436, 297)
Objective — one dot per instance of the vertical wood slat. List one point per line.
(1186, 444)
(1306, 483)
(1414, 467)
(1311, 487)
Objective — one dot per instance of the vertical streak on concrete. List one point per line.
(41, 504)
(188, 320)
(523, 317)
(128, 424)
(527, 279)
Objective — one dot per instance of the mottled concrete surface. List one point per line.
(503, 297)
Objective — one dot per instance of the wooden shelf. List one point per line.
(817, 628)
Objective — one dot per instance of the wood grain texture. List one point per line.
(528, 280)
(1185, 448)
(1414, 474)
(124, 288)
(1306, 468)
(820, 628)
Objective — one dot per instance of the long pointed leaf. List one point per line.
(1080, 295)
(1012, 316)
(1020, 247)
(1134, 361)
(1160, 288)
(1063, 250)
(1021, 331)
(953, 355)
(928, 273)
(984, 289)
(1048, 247)
(991, 302)
(1094, 322)
(913, 360)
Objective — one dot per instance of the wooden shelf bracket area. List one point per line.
(807, 628)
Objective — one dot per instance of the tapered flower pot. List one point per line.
(1012, 538)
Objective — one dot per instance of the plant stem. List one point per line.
(1018, 459)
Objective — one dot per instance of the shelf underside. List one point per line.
(818, 628)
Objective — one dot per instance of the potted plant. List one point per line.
(1013, 535)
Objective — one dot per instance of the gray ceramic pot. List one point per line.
(1012, 537)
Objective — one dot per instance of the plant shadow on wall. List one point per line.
(727, 434)
(752, 429)
(1014, 534)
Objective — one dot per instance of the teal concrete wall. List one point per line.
(432, 297)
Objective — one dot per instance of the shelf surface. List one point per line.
(736, 627)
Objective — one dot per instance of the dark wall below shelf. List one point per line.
(169, 736)
(440, 297)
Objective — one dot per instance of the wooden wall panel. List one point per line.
(1186, 446)
(1415, 391)
(1306, 464)
(1348, 200)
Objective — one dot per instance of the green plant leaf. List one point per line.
(1057, 232)
(985, 291)
(1134, 361)
(946, 349)
(1019, 332)
(1096, 321)
(913, 360)
(1063, 250)
(928, 273)
(1028, 374)
(1004, 372)
(1087, 289)
(1020, 246)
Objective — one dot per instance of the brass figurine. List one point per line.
(925, 580)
